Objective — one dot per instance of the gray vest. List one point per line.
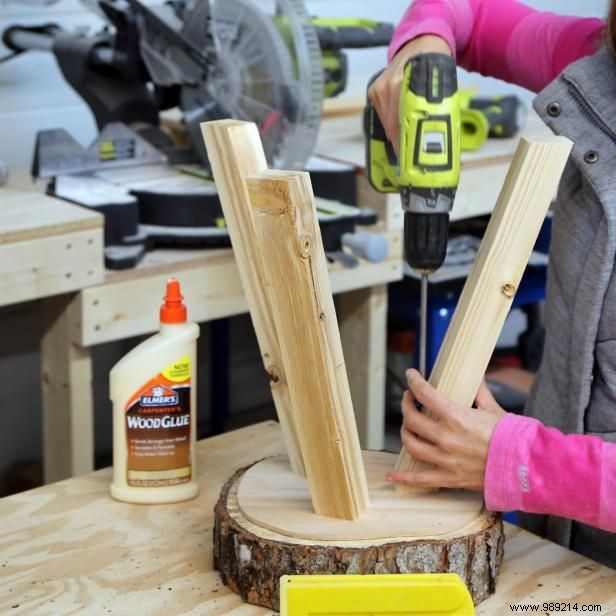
(575, 390)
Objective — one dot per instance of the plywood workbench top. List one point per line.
(28, 215)
(68, 548)
(47, 246)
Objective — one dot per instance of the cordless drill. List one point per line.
(426, 171)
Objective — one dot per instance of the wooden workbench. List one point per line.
(47, 246)
(68, 548)
(60, 249)
(126, 304)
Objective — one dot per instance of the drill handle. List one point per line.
(381, 159)
(506, 115)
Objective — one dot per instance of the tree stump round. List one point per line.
(264, 528)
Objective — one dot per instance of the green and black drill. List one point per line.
(426, 171)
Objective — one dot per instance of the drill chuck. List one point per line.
(425, 240)
(426, 226)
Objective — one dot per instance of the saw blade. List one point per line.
(267, 69)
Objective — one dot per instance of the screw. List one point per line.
(508, 290)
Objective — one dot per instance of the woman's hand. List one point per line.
(385, 91)
(455, 440)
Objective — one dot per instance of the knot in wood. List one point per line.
(305, 245)
(275, 374)
(508, 290)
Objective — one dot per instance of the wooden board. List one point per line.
(296, 281)
(47, 247)
(272, 496)
(252, 558)
(363, 315)
(66, 382)
(235, 152)
(491, 286)
(210, 282)
(27, 215)
(127, 303)
(69, 548)
(38, 268)
(334, 107)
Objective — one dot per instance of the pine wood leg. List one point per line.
(298, 285)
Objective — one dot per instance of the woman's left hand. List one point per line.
(455, 439)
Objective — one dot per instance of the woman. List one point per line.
(520, 462)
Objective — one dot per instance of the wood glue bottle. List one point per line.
(153, 390)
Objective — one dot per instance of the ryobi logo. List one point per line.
(159, 396)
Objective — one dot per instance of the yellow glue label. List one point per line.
(179, 371)
(158, 429)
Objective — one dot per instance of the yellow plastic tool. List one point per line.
(417, 594)
(474, 129)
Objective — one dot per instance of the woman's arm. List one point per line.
(502, 38)
(540, 470)
(518, 462)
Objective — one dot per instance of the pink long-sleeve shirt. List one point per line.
(530, 467)
(503, 38)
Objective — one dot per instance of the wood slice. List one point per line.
(251, 558)
(272, 496)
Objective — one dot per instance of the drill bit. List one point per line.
(423, 324)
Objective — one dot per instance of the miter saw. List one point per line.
(262, 61)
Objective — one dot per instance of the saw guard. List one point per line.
(267, 70)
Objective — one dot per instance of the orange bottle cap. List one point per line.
(173, 310)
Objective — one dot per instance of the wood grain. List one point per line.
(66, 383)
(210, 282)
(252, 558)
(235, 152)
(69, 548)
(46, 266)
(27, 215)
(271, 496)
(491, 286)
(47, 246)
(300, 296)
(363, 330)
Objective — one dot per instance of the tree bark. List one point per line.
(251, 559)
